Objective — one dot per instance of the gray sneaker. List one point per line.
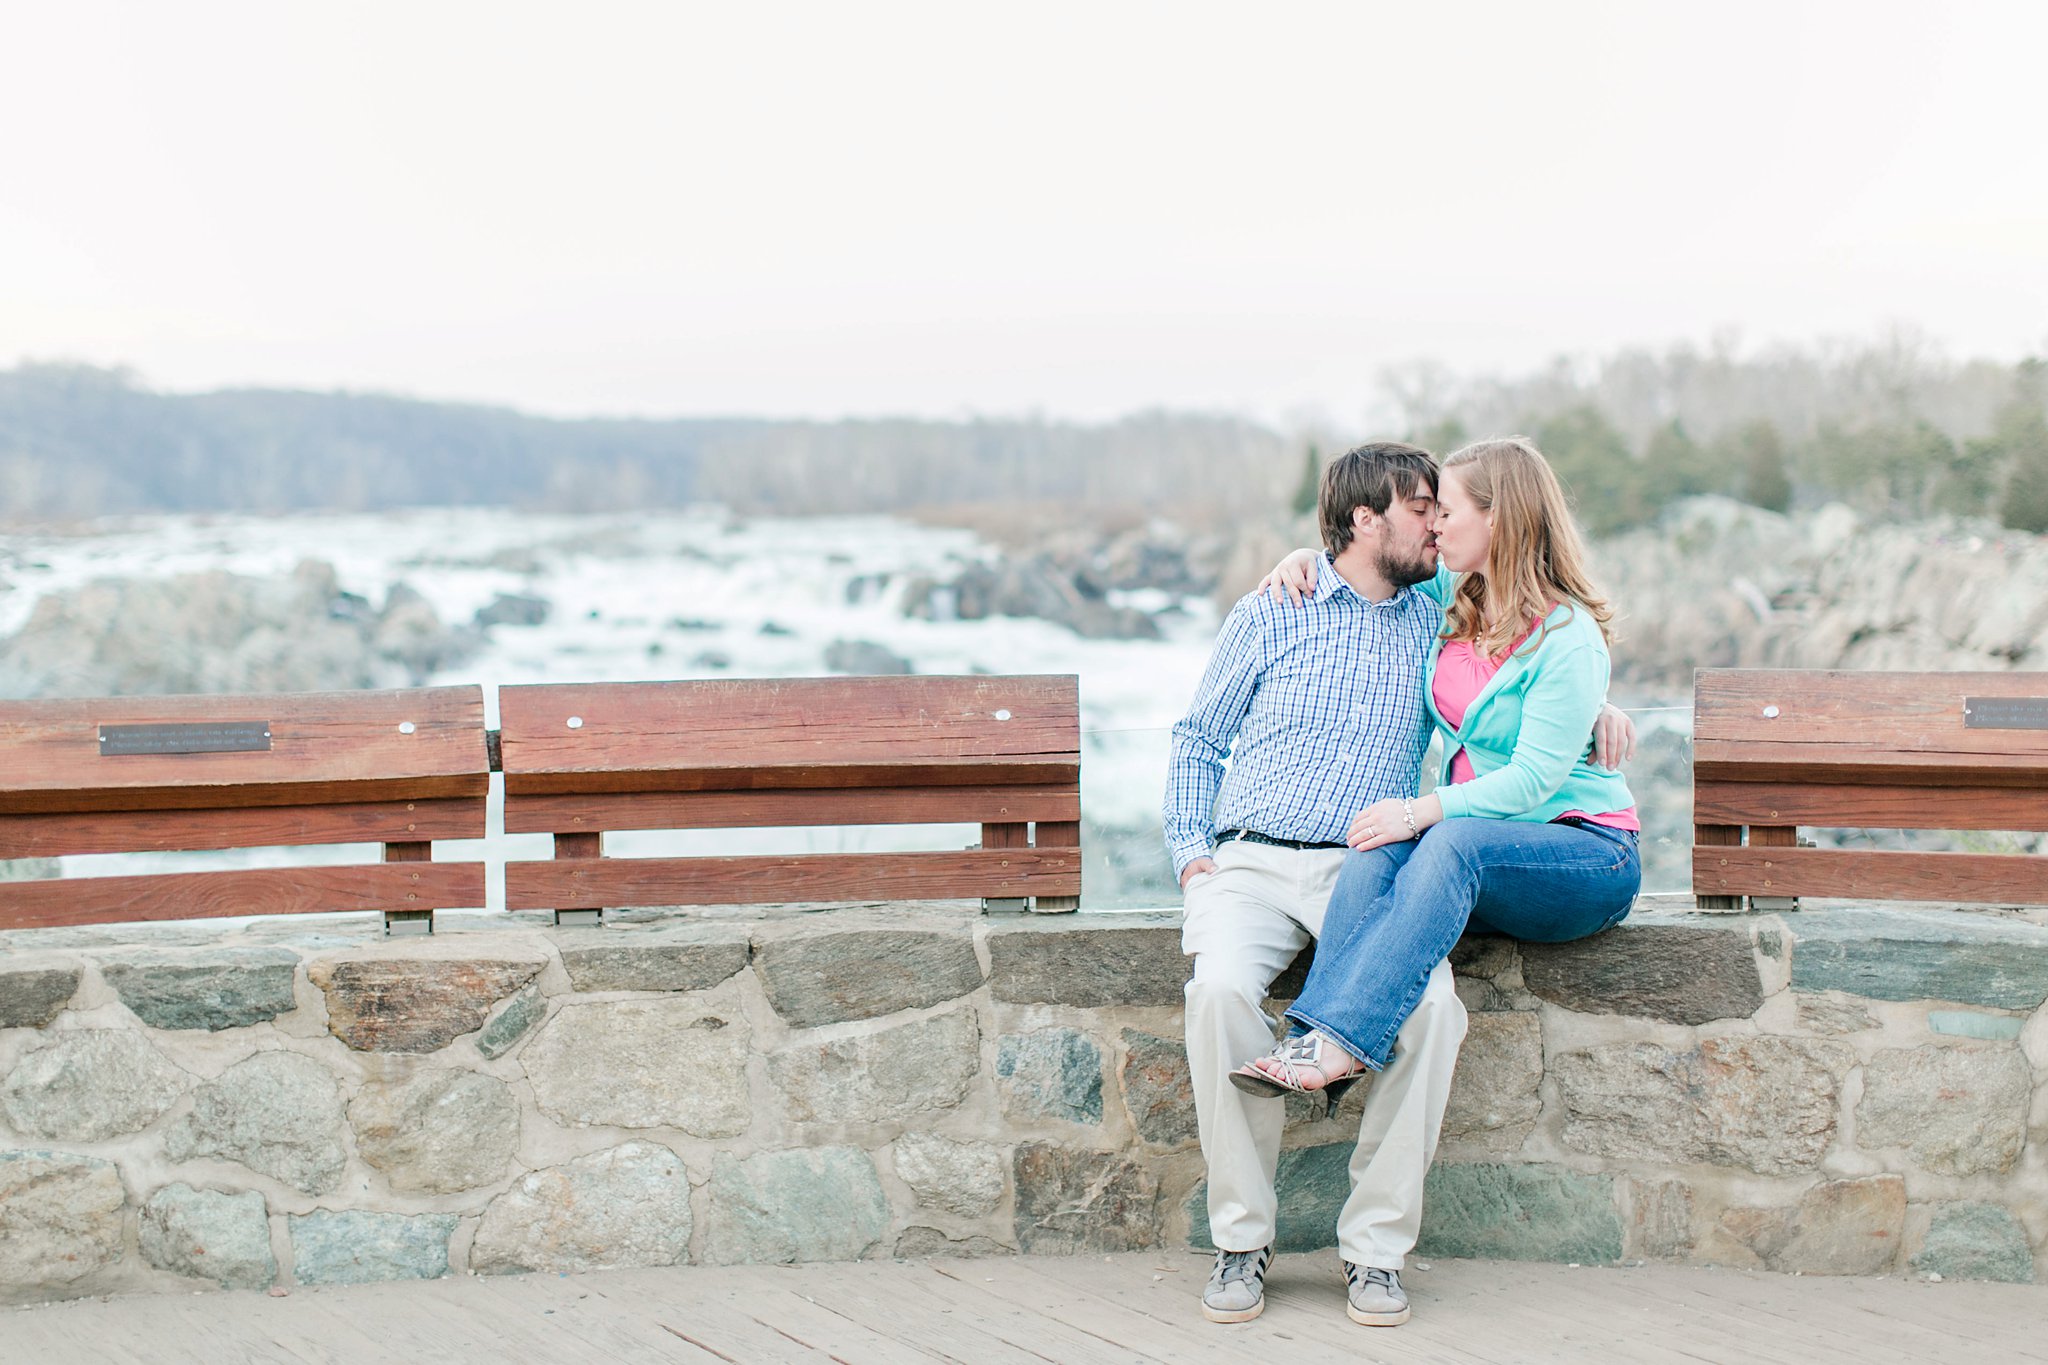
(1236, 1291)
(1375, 1297)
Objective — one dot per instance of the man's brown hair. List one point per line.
(1371, 476)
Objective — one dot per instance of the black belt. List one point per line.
(1252, 836)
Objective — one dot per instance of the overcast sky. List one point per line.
(939, 209)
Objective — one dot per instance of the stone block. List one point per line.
(210, 989)
(90, 1085)
(1494, 1098)
(1677, 973)
(1070, 1201)
(1311, 1184)
(437, 1132)
(1976, 1242)
(1985, 1028)
(1959, 1110)
(209, 1236)
(1053, 1073)
(830, 978)
(1843, 1227)
(1764, 1103)
(1664, 1219)
(1488, 957)
(31, 997)
(629, 1206)
(925, 1244)
(959, 1177)
(1519, 1213)
(663, 1063)
(691, 960)
(810, 1204)
(277, 1113)
(1895, 955)
(60, 1219)
(512, 1023)
(914, 1068)
(355, 1247)
(1833, 1014)
(1046, 964)
(413, 1004)
(1158, 1091)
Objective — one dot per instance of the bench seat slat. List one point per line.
(842, 731)
(1862, 874)
(50, 836)
(1850, 806)
(531, 814)
(253, 891)
(327, 747)
(960, 875)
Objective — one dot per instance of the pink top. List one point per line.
(1462, 673)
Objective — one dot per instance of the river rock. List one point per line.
(959, 1177)
(1039, 964)
(60, 1219)
(513, 609)
(1053, 1073)
(1765, 1103)
(1681, 974)
(668, 1063)
(31, 997)
(1960, 1110)
(357, 1247)
(413, 1004)
(865, 658)
(90, 1085)
(812, 1204)
(629, 1206)
(1976, 1242)
(211, 989)
(209, 1236)
(1158, 1091)
(834, 977)
(1069, 1201)
(1494, 1101)
(439, 1132)
(277, 1113)
(909, 1069)
(689, 960)
(512, 1023)
(1843, 1227)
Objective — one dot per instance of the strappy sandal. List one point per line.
(1298, 1066)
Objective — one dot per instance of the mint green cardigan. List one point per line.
(1529, 731)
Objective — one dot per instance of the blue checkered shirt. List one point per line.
(1318, 710)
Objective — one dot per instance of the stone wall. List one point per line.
(1845, 1091)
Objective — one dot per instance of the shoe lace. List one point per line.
(1370, 1274)
(1239, 1265)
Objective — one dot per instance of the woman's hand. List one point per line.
(1393, 821)
(1295, 576)
(1614, 737)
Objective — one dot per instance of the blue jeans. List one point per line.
(1397, 911)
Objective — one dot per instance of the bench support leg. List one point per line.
(1058, 834)
(579, 846)
(1005, 836)
(412, 919)
(1773, 836)
(1716, 836)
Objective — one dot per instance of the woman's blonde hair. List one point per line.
(1537, 559)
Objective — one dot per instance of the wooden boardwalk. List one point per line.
(1135, 1309)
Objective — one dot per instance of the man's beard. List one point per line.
(1404, 573)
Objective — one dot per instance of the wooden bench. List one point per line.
(1001, 752)
(1777, 751)
(144, 774)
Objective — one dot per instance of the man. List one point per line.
(1320, 711)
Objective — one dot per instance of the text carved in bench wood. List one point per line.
(2005, 713)
(204, 737)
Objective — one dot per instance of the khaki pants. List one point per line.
(1245, 923)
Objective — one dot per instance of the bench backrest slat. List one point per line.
(791, 808)
(159, 831)
(1908, 713)
(325, 748)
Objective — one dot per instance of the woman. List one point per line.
(1524, 835)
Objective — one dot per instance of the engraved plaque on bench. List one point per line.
(2005, 713)
(202, 737)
